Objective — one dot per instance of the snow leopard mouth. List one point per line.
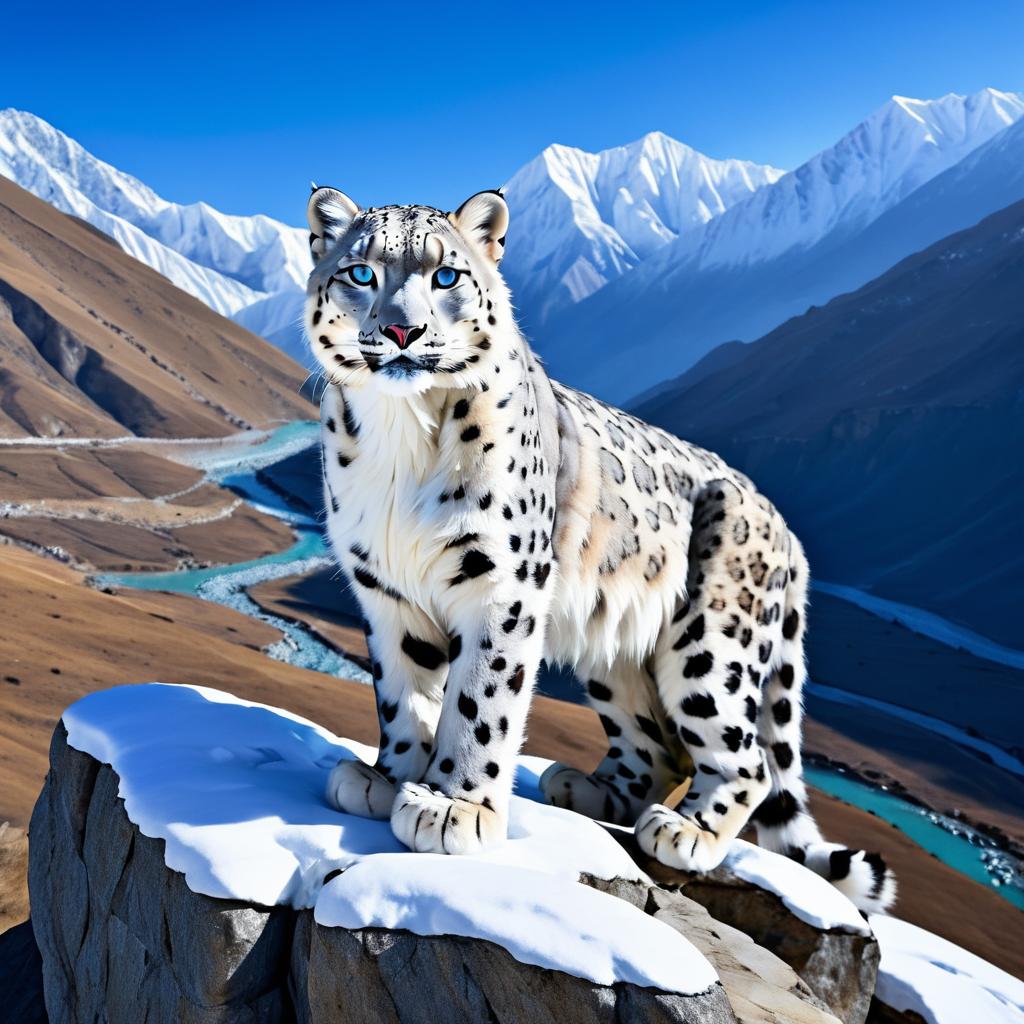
(405, 366)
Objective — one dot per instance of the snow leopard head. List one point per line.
(406, 298)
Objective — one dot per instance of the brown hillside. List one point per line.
(94, 343)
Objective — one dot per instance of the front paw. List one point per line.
(356, 788)
(427, 821)
(677, 841)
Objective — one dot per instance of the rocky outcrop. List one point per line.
(839, 966)
(385, 977)
(762, 988)
(123, 938)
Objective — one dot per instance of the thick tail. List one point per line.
(784, 822)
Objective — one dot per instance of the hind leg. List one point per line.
(639, 766)
(784, 823)
(710, 661)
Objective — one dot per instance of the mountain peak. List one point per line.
(585, 218)
(1003, 107)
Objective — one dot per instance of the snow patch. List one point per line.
(808, 896)
(940, 981)
(235, 790)
(539, 919)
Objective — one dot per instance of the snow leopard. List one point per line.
(488, 517)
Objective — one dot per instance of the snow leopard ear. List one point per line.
(483, 218)
(329, 213)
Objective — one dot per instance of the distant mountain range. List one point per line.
(829, 226)
(626, 265)
(888, 425)
(94, 343)
(228, 262)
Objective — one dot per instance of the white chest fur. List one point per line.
(384, 471)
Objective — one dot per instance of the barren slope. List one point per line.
(94, 343)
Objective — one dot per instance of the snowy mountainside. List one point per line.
(229, 262)
(582, 219)
(897, 149)
(772, 255)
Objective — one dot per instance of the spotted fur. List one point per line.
(488, 517)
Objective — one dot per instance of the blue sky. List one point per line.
(241, 105)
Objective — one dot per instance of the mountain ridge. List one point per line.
(626, 265)
(613, 208)
(95, 343)
(895, 404)
(708, 287)
(227, 261)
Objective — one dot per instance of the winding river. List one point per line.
(235, 466)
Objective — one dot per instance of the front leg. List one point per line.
(462, 804)
(410, 661)
(496, 504)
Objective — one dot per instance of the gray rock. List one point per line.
(761, 988)
(840, 967)
(123, 939)
(373, 976)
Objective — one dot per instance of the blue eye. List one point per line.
(445, 277)
(361, 274)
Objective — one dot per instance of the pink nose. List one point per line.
(403, 335)
(397, 333)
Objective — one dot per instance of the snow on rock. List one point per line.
(536, 917)
(235, 789)
(810, 897)
(941, 982)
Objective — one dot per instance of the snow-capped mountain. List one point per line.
(626, 265)
(886, 157)
(771, 255)
(229, 262)
(580, 220)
